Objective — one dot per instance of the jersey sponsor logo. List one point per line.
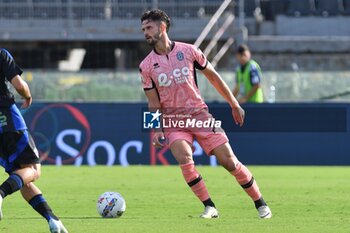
(178, 75)
(163, 80)
(180, 56)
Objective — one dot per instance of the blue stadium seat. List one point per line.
(271, 8)
(127, 9)
(169, 8)
(211, 5)
(95, 10)
(327, 7)
(47, 9)
(80, 9)
(346, 6)
(300, 7)
(250, 6)
(14, 9)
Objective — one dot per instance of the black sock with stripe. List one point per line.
(208, 202)
(11, 185)
(260, 202)
(39, 203)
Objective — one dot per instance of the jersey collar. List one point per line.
(172, 45)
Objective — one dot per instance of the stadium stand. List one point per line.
(327, 8)
(271, 8)
(292, 36)
(107, 9)
(300, 7)
(250, 6)
(102, 26)
(346, 7)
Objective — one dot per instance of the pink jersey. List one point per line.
(174, 76)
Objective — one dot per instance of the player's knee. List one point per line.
(37, 170)
(27, 186)
(230, 164)
(185, 159)
(37, 174)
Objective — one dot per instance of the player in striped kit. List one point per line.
(18, 154)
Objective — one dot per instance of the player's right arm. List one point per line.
(23, 89)
(153, 101)
(153, 105)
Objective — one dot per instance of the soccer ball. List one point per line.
(111, 205)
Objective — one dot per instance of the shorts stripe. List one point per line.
(17, 119)
(21, 145)
(3, 162)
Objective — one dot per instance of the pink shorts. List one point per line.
(208, 138)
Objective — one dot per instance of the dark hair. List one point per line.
(242, 48)
(157, 15)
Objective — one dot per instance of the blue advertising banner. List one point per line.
(113, 134)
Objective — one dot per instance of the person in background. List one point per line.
(248, 78)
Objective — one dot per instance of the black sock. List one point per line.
(11, 185)
(208, 202)
(39, 203)
(259, 202)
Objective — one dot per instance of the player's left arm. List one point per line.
(13, 75)
(220, 85)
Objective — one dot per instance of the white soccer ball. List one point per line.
(111, 205)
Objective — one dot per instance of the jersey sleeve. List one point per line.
(255, 76)
(200, 60)
(8, 65)
(146, 79)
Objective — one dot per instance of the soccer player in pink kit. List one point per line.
(169, 81)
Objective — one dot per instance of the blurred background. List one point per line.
(81, 50)
(81, 59)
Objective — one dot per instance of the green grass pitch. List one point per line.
(303, 199)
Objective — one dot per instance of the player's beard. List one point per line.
(154, 40)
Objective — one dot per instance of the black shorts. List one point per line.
(17, 148)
